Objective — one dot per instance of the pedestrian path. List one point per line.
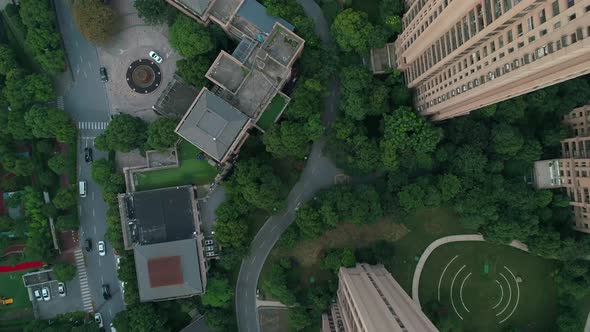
(93, 125)
(60, 103)
(84, 289)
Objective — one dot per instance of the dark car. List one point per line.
(103, 74)
(106, 291)
(88, 155)
(88, 243)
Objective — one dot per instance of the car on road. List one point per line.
(155, 56)
(88, 155)
(98, 319)
(61, 289)
(103, 74)
(82, 188)
(46, 294)
(38, 296)
(102, 249)
(106, 291)
(88, 246)
(118, 261)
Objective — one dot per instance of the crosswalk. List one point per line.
(84, 289)
(60, 102)
(93, 125)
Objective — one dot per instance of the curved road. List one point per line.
(318, 174)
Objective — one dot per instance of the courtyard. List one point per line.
(192, 170)
(489, 287)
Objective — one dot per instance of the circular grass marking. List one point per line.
(509, 295)
(517, 296)
(452, 286)
(461, 291)
(501, 294)
(443, 273)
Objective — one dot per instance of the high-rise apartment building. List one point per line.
(370, 300)
(461, 55)
(572, 170)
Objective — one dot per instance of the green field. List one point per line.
(517, 290)
(11, 285)
(191, 171)
(272, 111)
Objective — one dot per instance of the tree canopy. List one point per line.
(96, 21)
(123, 134)
(189, 37)
(161, 135)
(219, 293)
(354, 32)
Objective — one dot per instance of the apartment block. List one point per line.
(371, 300)
(461, 55)
(572, 170)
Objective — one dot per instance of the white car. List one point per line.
(118, 261)
(61, 289)
(46, 294)
(102, 249)
(37, 295)
(155, 56)
(98, 320)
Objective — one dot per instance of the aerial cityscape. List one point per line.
(295, 165)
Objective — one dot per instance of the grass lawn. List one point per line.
(410, 238)
(191, 171)
(271, 112)
(11, 285)
(494, 300)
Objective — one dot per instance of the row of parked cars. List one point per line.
(44, 294)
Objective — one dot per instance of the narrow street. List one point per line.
(87, 103)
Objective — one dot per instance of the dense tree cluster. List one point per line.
(354, 32)
(124, 133)
(64, 271)
(190, 38)
(96, 20)
(155, 12)
(38, 22)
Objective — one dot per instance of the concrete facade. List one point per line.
(572, 170)
(370, 300)
(461, 55)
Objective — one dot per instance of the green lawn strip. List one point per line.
(272, 111)
(537, 306)
(11, 286)
(191, 171)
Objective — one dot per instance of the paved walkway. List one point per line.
(444, 240)
(269, 304)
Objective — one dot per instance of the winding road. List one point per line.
(318, 174)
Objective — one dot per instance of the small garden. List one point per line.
(267, 119)
(193, 169)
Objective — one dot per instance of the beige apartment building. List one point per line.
(461, 55)
(370, 300)
(572, 170)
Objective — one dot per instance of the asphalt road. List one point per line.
(87, 102)
(319, 173)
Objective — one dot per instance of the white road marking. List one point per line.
(93, 213)
(80, 210)
(93, 195)
(461, 292)
(86, 76)
(86, 142)
(452, 285)
(94, 230)
(81, 60)
(501, 294)
(77, 45)
(509, 295)
(99, 264)
(101, 277)
(517, 296)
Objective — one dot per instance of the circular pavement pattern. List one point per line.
(143, 76)
(501, 287)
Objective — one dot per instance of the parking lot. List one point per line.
(56, 304)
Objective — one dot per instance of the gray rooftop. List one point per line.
(163, 282)
(175, 99)
(198, 6)
(212, 125)
(255, 13)
(162, 215)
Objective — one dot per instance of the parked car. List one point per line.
(103, 74)
(88, 243)
(118, 261)
(102, 249)
(98, 319)
(88, 155)
(37, 295)
(61, 289)
(46, 294)
(209, 248)
(155, 56)
(106, 292)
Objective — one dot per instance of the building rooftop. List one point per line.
(253, 20)
(168, 270)
(224, 10)
(197, 6)
(176, 98)
(283, 45)
(227, 72)
(546, 174)
(212, 124)
(161, 215)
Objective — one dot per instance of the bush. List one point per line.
(64, 271)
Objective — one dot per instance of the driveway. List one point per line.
(59, 304)
(319, 173)
(85, 100)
